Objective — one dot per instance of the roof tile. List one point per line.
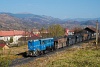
(11, 33)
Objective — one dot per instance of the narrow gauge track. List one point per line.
(28, 59)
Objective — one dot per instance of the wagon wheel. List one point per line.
(41, 52)
(44, 51)
(52, 48)
(36, 53)
(55, 45)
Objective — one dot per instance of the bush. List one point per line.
(4, 62)
(11, 39)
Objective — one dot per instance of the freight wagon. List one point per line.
(40, 46)
(70, 40)
(60, 42)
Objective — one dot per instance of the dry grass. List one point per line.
(17, 50)
(10, 54)
(84, 56)
(87, 56)
(14, 50)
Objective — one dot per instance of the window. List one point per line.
(42, 42)
(48, 40)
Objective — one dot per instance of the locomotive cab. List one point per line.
(39, 46)
(33, 47)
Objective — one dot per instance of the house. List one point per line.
(45, 31)
(36, 31)
(69, 32)
(14, 35)
(90, 30)
(30, 36)
(4, 46)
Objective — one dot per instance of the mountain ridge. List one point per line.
(29, 21)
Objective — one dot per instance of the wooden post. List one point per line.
(97, 34)
(25, 37)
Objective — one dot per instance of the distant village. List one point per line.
(19, 37)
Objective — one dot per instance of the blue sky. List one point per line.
(55, 8)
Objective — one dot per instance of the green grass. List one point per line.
(81, 58)
(87, 56)
(4, 61)
(6, 58)
(69, 58)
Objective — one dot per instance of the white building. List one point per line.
(7, 35)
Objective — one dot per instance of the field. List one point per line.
(85, 56)
(7, 56)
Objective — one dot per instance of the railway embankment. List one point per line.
(79, 55)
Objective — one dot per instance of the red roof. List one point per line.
(19, 32)
(2, 45)
(33, 35)
(11, 33)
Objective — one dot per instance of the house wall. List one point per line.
(70, 33)
(15, 38)
(7, 38)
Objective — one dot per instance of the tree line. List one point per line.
(53, 31)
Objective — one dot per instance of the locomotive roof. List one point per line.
(46, 38)
(41, 39)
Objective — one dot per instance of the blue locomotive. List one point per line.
(36, 47)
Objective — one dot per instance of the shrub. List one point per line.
(11, 39)
(4, 62)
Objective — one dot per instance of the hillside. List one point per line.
(29, 21)
(9, 22)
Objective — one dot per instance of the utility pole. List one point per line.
(25, 37)
(97, 34)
